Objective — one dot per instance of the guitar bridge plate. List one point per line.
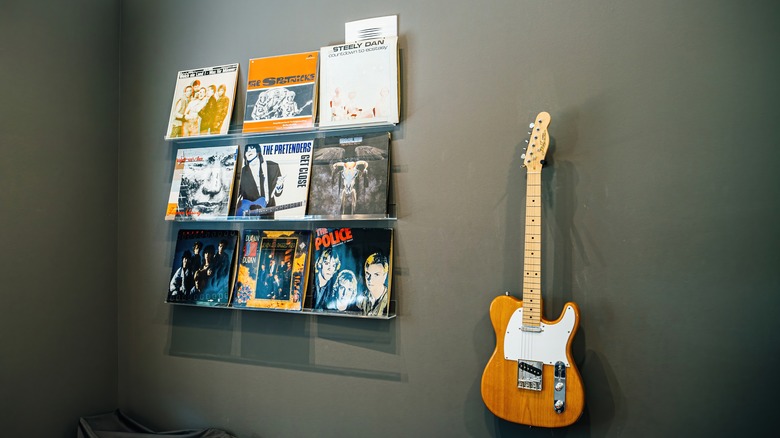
(529, 375)
(559, 396)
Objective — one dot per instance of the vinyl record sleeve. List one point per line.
(203, 183)
(203, 267)
(273, 269)
(351, 271)
(350, 175)
(202, 102)
(281, 92)
(359, 83)
(274, 180)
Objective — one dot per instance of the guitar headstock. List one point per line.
(533, 158)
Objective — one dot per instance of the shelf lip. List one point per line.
(304, 219)
(391, 315)
(235, 132)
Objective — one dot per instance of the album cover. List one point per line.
(273, 269)
(203, 183)
(281, 92)
(202, 101)
(350, 175)
(203, 267)
(351, 271)
(274, 180)
(359, 83)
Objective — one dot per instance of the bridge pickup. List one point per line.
(529, 375)
(559, 395)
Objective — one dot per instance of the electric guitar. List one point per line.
(531, 378)
(260, 207)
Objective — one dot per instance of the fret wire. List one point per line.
(532, 251)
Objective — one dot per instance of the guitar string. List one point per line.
(533, 213)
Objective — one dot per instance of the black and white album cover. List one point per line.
(274, 180)
(203, 182)
(202, 101)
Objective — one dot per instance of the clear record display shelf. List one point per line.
(311, 222)
(391, 313)
(235, 133)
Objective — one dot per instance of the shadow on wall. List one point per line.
(282, 340)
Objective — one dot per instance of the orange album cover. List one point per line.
(281, 92)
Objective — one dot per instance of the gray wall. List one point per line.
(59, 137)
(660, 220)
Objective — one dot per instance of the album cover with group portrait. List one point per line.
(202, 101)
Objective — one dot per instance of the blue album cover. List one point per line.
(351, 271)
(203, 267)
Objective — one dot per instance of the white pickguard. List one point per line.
(547, 346)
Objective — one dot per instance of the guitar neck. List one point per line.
(532, 258)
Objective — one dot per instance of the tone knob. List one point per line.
(559, 386)
(558, 405)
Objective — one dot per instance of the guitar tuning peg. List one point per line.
(522, 156)
(531, 126)
(526, 140)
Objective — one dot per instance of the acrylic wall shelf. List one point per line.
(391, 311)
(310, 222)
(235, 135)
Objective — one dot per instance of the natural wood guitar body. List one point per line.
(499, 380)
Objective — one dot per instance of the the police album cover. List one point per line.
(351, 271)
